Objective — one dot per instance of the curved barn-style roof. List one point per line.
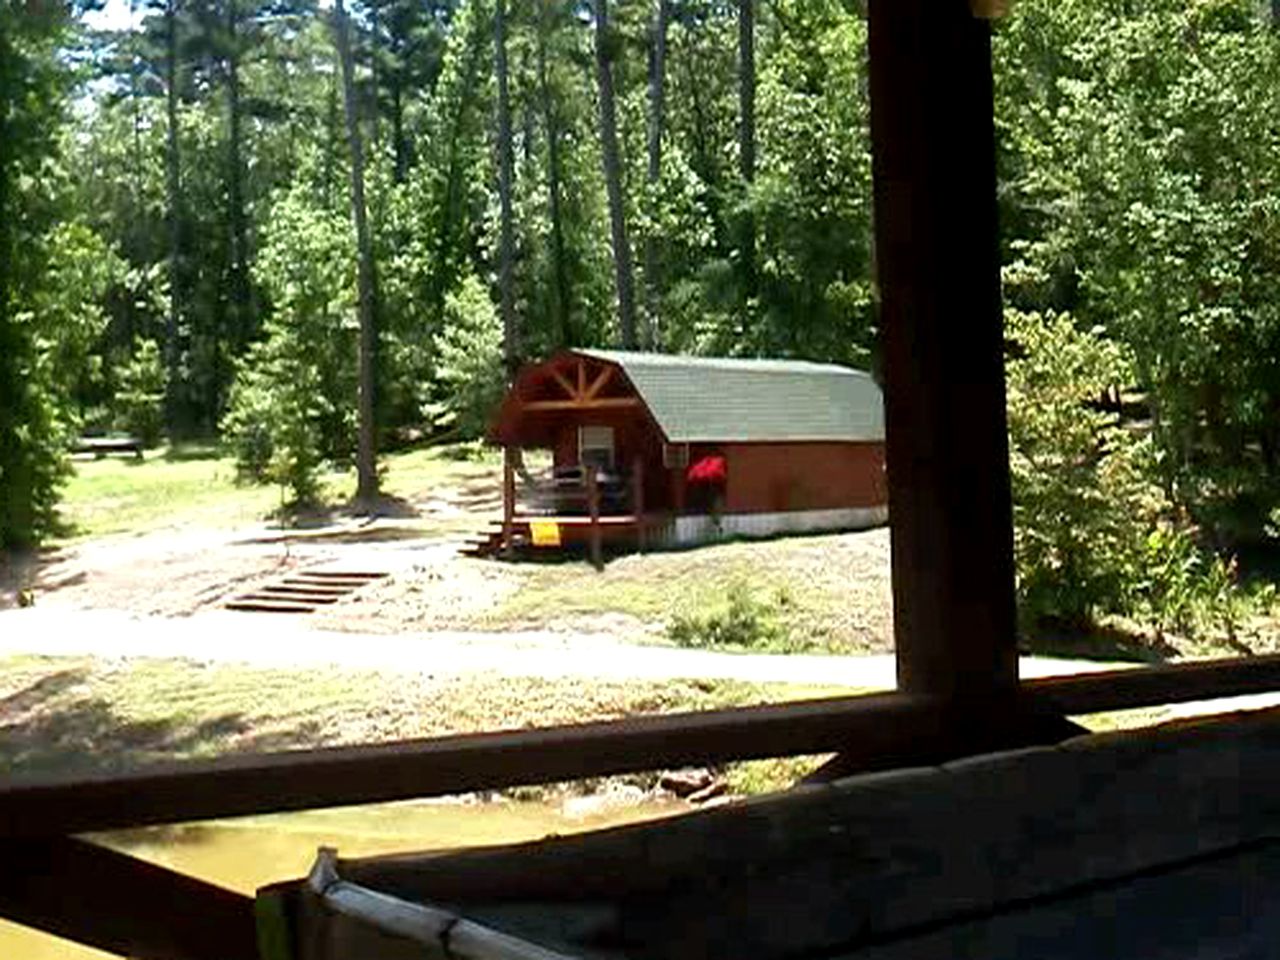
(703, 399)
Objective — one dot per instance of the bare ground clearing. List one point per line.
(831, 592)
(192, 559)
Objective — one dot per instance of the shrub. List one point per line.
(470, 371)
(1094, 532)
(139, 395)
(743, 622)
(293, 402)
(273, 424)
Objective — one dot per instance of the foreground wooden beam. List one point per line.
(1155, 685)
(870, 732)
(903, 727)
(117, 903)
(938, 270)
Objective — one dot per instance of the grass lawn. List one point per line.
(82, 715)
(194, 483)
(825, 593)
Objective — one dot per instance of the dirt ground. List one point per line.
(833, 590)
(190, 565)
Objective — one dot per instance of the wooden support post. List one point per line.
(637, 499)
(508, 500)
(593, 507)
(938, 269)
(117, 903)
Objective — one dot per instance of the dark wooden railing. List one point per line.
(938, 271)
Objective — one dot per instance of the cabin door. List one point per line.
(596, 448)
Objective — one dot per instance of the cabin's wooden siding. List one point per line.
(779, 477)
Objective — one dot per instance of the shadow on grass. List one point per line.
(1096, 643)
(189, 451)
(57, 726)
(385, 505)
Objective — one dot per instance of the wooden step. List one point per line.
(343, 575)
(335, 586)
(291, 596)
(269, 606)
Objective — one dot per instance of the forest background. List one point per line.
(204, 211)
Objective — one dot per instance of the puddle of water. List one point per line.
(247, 853)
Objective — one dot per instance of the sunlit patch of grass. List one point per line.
(78, 714)
(194, 485)
(808, 583)
(115, 495)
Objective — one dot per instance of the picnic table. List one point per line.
(102, 446)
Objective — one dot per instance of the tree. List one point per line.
(33, 416)
(562, 299)
(1138, 157)
(605, 45)
(366, 467)
(657, 110)
(294, 399)
(747, 137)
(506, 256)
(173, 180)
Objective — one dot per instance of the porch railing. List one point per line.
(954, 623)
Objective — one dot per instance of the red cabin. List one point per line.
(682, 450)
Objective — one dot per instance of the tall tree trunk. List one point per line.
(135, 103)
(375, 77)
(449, 214)
(242, 309)
(174, 187)
(611, 158)
(657, 109)
(399, 144)
(554, 178)
(703, 163)
(133, 249)
(332, 138)
(506, 267)
(747, 135)
(366, 468)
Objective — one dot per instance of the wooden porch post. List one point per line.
(593, 507)
(938, 267)
(637, 499)
(508, 500)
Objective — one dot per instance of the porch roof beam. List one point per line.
(601, 403)
(564, 383)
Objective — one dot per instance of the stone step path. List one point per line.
(303, 592)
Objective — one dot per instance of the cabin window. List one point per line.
(595, 447)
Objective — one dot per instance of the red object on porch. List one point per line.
(710, 469)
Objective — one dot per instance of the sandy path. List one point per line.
(273, 641)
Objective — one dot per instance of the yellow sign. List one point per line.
(546, 533)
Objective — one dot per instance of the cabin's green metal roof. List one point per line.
(702, 399)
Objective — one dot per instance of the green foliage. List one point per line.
(743, 622)
(1083, 500)
(1138, 157)
(1094, 533)
(140, 392)
(470, 368)
(292, 403)
(34, 418)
